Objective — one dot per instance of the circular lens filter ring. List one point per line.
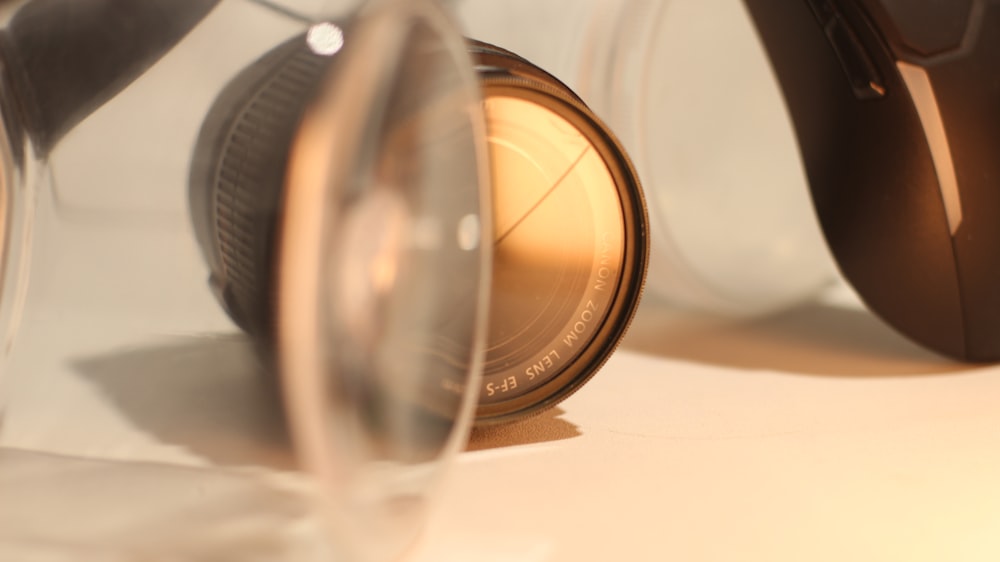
(553, 369)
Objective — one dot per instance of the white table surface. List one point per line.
(815, 434)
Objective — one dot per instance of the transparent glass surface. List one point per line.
(558, 222)
(21, 175)
(59, 508)
(383, 273)
(687, 88)
(202, 160)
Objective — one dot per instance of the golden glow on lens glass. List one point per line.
(558, 245)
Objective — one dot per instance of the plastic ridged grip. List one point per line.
(238, 176)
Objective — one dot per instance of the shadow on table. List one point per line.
(812, 339)
(546, 427)
(207, 394)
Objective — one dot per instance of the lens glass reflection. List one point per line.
(558, 244)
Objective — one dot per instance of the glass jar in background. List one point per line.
(687, 87)
(329, 162)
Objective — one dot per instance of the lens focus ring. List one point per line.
(238, 174)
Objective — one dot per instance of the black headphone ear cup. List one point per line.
(66, 58)
(237, 177)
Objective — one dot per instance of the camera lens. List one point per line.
(569, 235)
(569, 239)
(339, 193)
(396, 251)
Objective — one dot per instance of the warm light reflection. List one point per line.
(549, 182)
(325, 39)
(468, 232)
(559, 244)
(922, 91)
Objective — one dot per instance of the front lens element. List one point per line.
(558, 244)
(569, 248)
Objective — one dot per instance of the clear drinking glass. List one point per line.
(247, 217)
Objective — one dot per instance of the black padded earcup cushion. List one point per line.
(238, 173)
(68, 57)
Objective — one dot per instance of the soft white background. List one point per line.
(812, 434)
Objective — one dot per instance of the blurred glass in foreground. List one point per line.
(141, 112)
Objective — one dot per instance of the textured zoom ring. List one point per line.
(250, 176)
